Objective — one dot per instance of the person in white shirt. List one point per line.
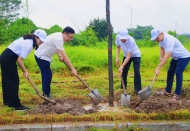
(171, 47)
(131, 54)
(15, 53)
(44, 53)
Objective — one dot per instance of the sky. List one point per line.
(167, 15)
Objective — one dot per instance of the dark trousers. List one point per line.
(46, 75)
(176, 67)
(10, 78)
(137, 77)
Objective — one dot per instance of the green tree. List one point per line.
(9, 8)
(100, 28)
(20, 27)
(173, 33)
(54, 29)
(3, 31)
(91, 37)
(85, 38)
(8, 13)
(141, 32)
(187, 35)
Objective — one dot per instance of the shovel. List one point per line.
(125, 98)
(146, 92)
(38, 92)
(94, 94)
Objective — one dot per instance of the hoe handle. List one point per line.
(36, 89)
(83, 82)
(153, 81)
(38, 92)
(122, 82)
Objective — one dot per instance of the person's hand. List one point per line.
(117, 62)
(26, 74)
(120, 70)
(74, 72)
(61, 59)
(157, 71)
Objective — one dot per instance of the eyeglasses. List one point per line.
(69, 37)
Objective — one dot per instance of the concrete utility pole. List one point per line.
(110, 69)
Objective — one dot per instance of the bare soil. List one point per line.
(157, 103)
(73, 107)
(153, 104)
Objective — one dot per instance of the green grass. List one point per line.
(91, 64)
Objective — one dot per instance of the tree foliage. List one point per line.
(16, 29)
(9, 8)
(19, 28)
(8, 13)
(88, 37)
(54, 29)
(141, 32)
(85, 38)
(100, 28)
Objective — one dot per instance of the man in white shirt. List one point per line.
(131, 53)
(44, 53)
(171, 47)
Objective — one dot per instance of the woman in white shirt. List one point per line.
(15, 53)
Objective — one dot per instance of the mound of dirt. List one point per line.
(153, 104)
(158, 103)
(73, 107)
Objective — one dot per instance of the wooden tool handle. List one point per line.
(38, 92)
(122, 82)
(153, 81)
(36, 89)
(83, 82)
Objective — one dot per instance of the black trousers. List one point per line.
(137, 77)
(10, 78)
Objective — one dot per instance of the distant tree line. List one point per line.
(12, 27)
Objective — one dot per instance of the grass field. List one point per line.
(91, 64)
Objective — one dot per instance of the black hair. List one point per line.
(31, 36)
(68, 30)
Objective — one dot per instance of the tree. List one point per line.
(9, 8)
(173, 33)
(85, 38)
(54, 29)
(91, 38)
(141, 32)
(3, 31)
(8, 13)
(100, 28)
(19, 28)
(187, 35)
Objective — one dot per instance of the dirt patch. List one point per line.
(159, 103)
(153, 104)
(73, 107)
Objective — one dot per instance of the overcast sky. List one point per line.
(164, 14)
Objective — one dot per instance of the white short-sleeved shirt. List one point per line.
(171, 44)
(46, 50)
(21, 47)
(129, 46)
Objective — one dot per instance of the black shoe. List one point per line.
(21, 108)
